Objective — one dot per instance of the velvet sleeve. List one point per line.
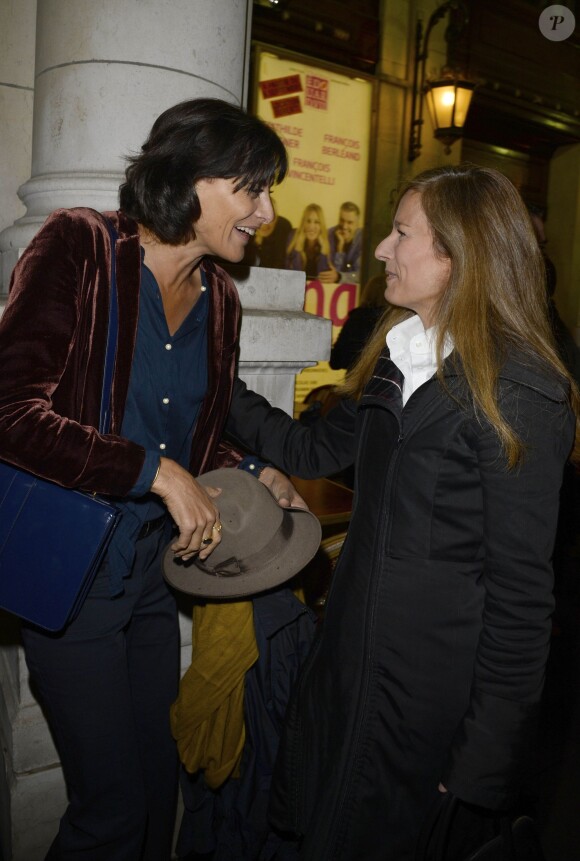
(520, 506)
(52, 341)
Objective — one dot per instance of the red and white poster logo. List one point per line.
(276, 87)
(316, 92)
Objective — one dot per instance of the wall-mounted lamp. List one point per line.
(272, 4)
(449, 97)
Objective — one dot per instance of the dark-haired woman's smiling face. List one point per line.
(229, 218)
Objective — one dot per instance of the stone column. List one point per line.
(104, 71)
(17, 45)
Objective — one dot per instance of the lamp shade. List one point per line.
(448, 101)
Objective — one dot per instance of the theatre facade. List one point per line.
(80, 84)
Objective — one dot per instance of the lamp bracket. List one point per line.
(454, 30)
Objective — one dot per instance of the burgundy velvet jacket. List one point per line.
(52, 348)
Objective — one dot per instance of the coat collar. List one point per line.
(128, 265)
(517, 369)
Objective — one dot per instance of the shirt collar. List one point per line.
(411, 336)
(413, 350)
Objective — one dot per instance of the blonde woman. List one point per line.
(308, 247)
(428, 671)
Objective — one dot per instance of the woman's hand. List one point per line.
(281, 488)
(192, 509)
(442, 788)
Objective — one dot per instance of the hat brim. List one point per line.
(302, 539)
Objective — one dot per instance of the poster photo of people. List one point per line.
(324, 119)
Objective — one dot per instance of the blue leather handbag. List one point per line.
(53, 538)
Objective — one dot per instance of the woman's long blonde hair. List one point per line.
(298, 240)
(496, 295)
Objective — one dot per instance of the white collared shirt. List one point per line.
(412, 349)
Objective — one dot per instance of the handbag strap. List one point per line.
(111, 351)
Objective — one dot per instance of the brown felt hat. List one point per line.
(262, 544)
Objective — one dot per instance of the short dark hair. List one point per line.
(197, 139)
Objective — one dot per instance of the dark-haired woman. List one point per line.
(199, 188)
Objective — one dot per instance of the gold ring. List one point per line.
(217, 527)
(207, 541)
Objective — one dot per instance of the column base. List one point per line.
(42, 195)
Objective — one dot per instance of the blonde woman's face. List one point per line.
(416, 277)
(311, 226)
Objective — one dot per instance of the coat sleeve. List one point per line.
(50, 329)
(520, 508)
(324, 448)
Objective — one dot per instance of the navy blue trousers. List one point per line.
(106, 684)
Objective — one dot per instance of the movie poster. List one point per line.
(324, 119)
